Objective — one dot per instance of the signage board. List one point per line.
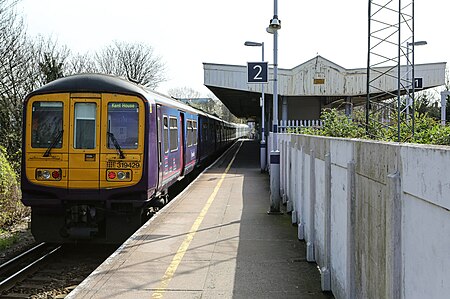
(418, 83)
(257, 72)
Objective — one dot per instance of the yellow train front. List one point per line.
(84, 159)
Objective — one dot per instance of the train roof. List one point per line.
(93, 83)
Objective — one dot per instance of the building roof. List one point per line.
(317, 77)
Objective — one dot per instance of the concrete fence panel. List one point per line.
(426, 221)
(374, 215)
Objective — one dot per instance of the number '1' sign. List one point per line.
(257, 72)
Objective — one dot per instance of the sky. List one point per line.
(185, 34)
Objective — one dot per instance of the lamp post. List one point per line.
(410, 83)
(263, 138)
(274, 26)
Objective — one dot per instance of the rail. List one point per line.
(17, 268)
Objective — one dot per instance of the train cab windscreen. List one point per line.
(47, 123)
(123, 124)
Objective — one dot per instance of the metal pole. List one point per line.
(399, 73)
(444, 95)
(263, 146)
(408, 82)
(413, 79)
(263, 138)
(275, 77)
(275, 198)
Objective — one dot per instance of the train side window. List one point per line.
(194, 132)
(123, 124)
(85, 125)
(205, 132)
(189, 132)
(173, 128)
(47, 123)
(166, 134)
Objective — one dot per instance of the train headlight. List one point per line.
(121, 175)
(48, 174)
(113, 175)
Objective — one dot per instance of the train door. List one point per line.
(165, 148)
(160, 144)
(84, 149)
(182, 143)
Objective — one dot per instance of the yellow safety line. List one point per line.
(159, 292)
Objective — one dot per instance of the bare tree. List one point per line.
(25, 64)
(51, 59)
(135, 61)
(210, 104)
(16, 77)
(81, 63)
(222, 111)
(50, 68)
(184, 93)
(194, 99)
(107, 61)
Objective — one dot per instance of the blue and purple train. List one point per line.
(100, 152)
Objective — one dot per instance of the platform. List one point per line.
(215, 240)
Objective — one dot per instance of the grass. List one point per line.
(7, 239)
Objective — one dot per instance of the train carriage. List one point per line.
(100, 152)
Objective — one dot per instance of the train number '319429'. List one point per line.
(128, 165)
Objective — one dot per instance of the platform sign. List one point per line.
(418, 83)
(257, 72)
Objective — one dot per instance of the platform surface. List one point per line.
(215, 240)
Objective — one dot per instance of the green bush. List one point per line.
(11, 208)
(337, 124)
(427, 130)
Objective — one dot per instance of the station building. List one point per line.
(307, 88)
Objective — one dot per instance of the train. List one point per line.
(100, 152)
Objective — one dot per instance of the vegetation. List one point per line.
(11, 208)
(427, 129)
(8, 240)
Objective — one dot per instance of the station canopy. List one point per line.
(317, 83)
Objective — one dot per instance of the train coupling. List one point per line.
(82, 222)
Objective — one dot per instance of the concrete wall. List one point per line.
(375, 216)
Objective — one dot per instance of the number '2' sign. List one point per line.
(257, 72)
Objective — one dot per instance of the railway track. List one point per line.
(19, 267)
(50, 271)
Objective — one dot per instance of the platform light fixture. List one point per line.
(418, 43)
(254, 44)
